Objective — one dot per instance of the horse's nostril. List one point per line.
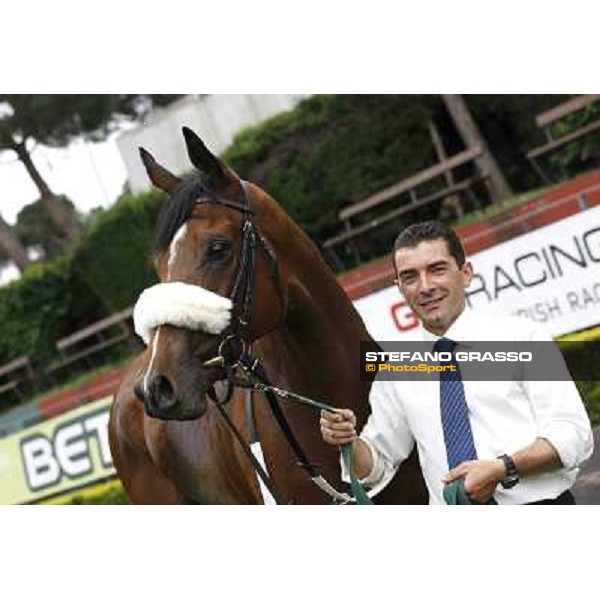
(161, 392)
(138, 389)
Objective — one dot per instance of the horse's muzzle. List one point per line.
(162, 402)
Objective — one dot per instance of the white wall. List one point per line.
(216, 118)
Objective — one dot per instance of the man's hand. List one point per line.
(338, 427)
(481, 477)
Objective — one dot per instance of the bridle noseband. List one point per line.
(235, 340)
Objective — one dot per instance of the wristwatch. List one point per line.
(512, 475)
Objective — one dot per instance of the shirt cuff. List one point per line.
(377, 471)
(561, 437)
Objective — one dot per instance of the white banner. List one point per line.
(551, 275)
(58, 455)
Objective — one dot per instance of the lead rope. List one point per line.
(257, 382)
(246, 271)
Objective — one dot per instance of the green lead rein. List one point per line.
(358, 491)
(455, 494)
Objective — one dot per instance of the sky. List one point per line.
(89, 174)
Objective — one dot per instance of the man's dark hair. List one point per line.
(427, 231)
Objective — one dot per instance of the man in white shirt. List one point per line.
(518, 442)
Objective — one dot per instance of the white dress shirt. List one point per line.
(505, 416)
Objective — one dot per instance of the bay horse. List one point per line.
(168, 440)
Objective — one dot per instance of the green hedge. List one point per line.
(47, 303)
(583, 152)
(113, 495)
(113, 254)
(582, 355)
(331, 150)
(327, 151)
(104, 273)
(591, 399)
(110, 492)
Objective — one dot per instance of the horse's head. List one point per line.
(220, 283)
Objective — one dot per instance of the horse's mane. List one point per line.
(176, 211)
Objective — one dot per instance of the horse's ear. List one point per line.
(212, 170)
(159, 176)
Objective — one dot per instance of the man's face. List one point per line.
(432, 283)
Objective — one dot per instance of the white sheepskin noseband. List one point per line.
(182, 305)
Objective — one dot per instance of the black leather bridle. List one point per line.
(235, 341)
(234, 350)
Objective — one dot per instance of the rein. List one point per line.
(232, 352)
(257, 380)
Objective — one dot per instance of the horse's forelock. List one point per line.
(176, 211)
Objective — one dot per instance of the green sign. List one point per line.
(58, 455)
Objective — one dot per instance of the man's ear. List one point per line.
(159, 176)
(467, 271)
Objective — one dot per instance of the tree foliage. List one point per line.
(11, 247)
(328, 151)
(50, 301)
(36, 228)
(55, 121)
(112, 256)
(332, 150)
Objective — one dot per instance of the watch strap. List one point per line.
(512, 474)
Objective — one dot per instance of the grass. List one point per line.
(497, 209)
(589, 390)
(83, 378)
(475, 216)
(587, 335)
(110, 492)
(72, 382)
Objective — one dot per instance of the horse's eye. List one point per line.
(217, 249)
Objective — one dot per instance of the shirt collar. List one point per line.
(460, 331)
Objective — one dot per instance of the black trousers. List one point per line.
(564, 498)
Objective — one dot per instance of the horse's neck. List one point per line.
(315, 351)
(321, 313)
(316, 348)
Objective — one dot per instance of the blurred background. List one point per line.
(518, 176)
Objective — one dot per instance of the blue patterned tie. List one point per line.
(455, 413)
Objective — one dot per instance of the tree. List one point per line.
(35, 227)
(55, 121)
(11, 247)
(468, 130)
